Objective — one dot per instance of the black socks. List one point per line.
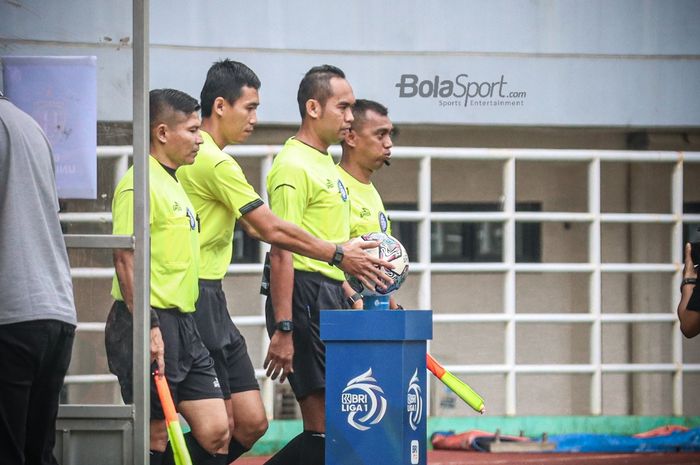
(235, 450)
(156, 458)
(313, 449)
(308, 448)
(289, 454)
(201, 456)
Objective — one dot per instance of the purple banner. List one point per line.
(60, 93)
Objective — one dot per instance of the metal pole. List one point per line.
(142, 253)
(594, 289)
(509, 283)
(424, 208)
(424, 252)
(677, 249)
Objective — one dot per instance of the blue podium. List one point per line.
(376, 386)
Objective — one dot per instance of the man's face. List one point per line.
(238, 120)
(372, 140)
(336, 114)
(183, 139)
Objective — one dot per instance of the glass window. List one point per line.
(470, 241)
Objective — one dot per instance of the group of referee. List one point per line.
(197, 194)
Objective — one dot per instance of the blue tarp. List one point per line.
(681, 441)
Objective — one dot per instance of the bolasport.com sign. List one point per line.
(462, 91)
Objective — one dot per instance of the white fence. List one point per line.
(593, 217)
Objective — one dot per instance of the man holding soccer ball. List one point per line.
(304, 188)
(221, 195)
(366, 148)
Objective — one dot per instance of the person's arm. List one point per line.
(124, 268)
(280, 353)
(350, 292)
(690, 319)
(229, 185)
(288, 236)
(250, 230)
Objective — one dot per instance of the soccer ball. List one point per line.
(393, 252)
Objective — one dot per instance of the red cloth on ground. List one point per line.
(463, 441)
(660, 431)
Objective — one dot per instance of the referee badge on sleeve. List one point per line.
(383, 223)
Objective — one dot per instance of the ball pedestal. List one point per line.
(376, 386)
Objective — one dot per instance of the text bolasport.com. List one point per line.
(460, 91)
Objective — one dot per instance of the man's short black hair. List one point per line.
(316, 85)
(162, 101)
(359, 114)
(360, 109)
(226, 78)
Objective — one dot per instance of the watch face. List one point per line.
(285, 326)
(337, 256)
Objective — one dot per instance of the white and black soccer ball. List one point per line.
(390, 250)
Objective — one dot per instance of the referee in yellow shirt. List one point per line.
(221, 195)
(304, 187)
(176, 346)
(366, 148)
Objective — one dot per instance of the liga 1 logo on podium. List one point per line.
(376, 386)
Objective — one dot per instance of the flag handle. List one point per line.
(172, 422)
(459, 387)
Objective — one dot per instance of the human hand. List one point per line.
(280, 354)
(363, 266)
(158, 350)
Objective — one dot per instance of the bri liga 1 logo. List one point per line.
(363, 400)
(414, 402)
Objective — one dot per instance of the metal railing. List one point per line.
(593, 217)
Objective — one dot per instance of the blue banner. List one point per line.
(681, 441)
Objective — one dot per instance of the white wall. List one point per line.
(573, 60)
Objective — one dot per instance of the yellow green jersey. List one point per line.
(174, 244)
(367, 213)
(304, 188)
(221, 194)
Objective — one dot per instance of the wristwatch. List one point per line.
(685, 281)
(353, 298)
(286, 326)
(337, 256)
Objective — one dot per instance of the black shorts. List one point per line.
(188, 367)
(312, 292)
(225, 342)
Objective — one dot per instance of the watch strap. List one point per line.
(685, 281)
(353, 299)
(337, 256)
